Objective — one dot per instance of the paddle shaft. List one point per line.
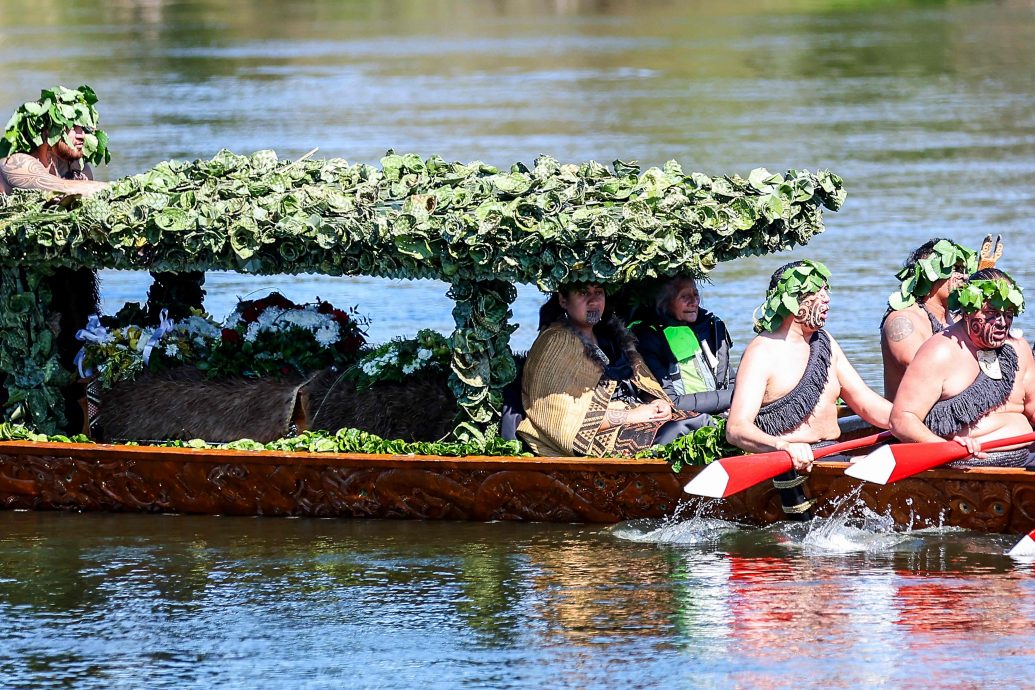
(728, 476)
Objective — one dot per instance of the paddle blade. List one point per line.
(889, 464)
(728, 476)
(1025, 548)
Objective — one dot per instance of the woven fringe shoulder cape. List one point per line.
(789, 412)
(566, 394)
(947, 417)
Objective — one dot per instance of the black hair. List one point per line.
(779, 272)
(551, 311)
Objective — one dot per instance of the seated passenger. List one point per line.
(973, 382)
(687, 348)
(585, 388)
(920, 307)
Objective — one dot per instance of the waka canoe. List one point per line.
(117, 478)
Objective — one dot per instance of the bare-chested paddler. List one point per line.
(793, 372)
(973, 382)
(920, 308)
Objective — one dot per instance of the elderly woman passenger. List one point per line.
(687, 348)
(585, 388)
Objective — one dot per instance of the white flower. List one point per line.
(409, 368)
(171, 350)
(423, 354)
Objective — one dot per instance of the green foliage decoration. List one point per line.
(783, 299)
(414, 218)
(28, 351)
(478, 227)
(1000, 294)
(919, 277)
(482, 363)
(699, 448)
(54, 115)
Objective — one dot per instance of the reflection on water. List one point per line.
(926, 110)
(129, 600)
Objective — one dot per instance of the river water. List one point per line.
(925, 108)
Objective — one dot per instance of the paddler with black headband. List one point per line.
(792, 374)
(973, 382)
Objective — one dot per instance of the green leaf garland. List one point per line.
(1003, 295)
(783, 300)
(56, 112)
(918, 278)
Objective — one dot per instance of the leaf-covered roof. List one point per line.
(417, 218)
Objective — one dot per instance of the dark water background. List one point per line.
(925, 108)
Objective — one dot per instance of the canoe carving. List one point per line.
(45, 476)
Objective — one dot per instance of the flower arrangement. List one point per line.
(399, 358)
(270, 336)
(275, 336)
(116, 353)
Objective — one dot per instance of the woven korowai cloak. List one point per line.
(566, 393)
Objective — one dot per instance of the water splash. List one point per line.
(690, 524)
(851, 527)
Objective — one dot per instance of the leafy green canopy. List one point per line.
(549, 224)
(1000, 294)
(796, 282)
(53, 116)
(919, 277)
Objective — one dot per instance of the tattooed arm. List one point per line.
(656, 411)
(22, 171)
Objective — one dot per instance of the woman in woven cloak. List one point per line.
(585, 388)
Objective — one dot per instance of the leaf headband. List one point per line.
(802, 280)
(919, 277)
(56, 112)
(1002, 294)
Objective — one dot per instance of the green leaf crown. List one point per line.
(919, 277)
(56, 112)
(1003, 294)
(801, 280)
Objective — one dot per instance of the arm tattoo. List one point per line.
(25, 172)
(616, 417)
(899, 329)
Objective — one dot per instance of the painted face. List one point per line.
(814, 309)
(686, 303)
(585, 306)
(75, 151)
(989, 328)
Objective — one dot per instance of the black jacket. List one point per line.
(656, 353)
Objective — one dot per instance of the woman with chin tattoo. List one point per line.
(585, 388)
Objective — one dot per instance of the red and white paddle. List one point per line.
(891, 463)
(727, 476)
(1025, 548)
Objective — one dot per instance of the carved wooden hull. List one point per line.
(85, 477)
